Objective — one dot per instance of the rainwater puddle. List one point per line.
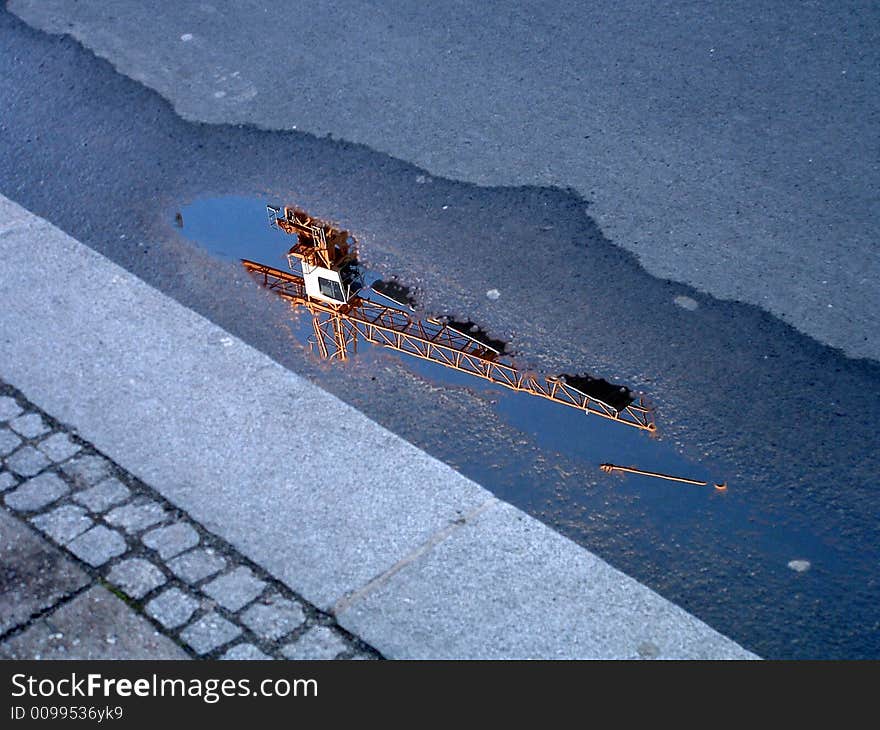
(237, 228)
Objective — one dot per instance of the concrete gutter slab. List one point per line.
(238, 442)
(537, 596)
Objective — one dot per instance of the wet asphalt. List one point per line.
(790, 423)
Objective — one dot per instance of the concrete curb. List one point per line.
(412, 557)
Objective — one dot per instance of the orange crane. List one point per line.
(325, 280)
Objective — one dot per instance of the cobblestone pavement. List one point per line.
(96, 564)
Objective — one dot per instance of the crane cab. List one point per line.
(326, 255)
(329, 285)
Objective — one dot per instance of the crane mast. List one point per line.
(325, 280)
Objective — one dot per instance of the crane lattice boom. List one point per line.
(338, 326)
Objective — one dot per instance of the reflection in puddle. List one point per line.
(402, 296)
(324, 278)
(320, 273)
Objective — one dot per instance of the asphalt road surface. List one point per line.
(731, 147)
(789, 421)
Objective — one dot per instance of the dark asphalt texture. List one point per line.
(790, 423)
(727, 145)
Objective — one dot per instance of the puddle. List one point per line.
(235, 228)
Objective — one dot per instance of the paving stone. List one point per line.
(27, 461)
(136, 577)
(29, 425)
(87, 470)
(172, 608)
(171, 540)
(94, 625)
(34, 575)
(64, 523)
(103, 496)
(9, 409)
(9, 442)
(245, 652)
(98, 545)
(7, 480)
(320, 642)
(36, 493)
(273, 617)
(209, 632)
(136, 516)
(58, 447)
(197, 565)
(235, 589)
